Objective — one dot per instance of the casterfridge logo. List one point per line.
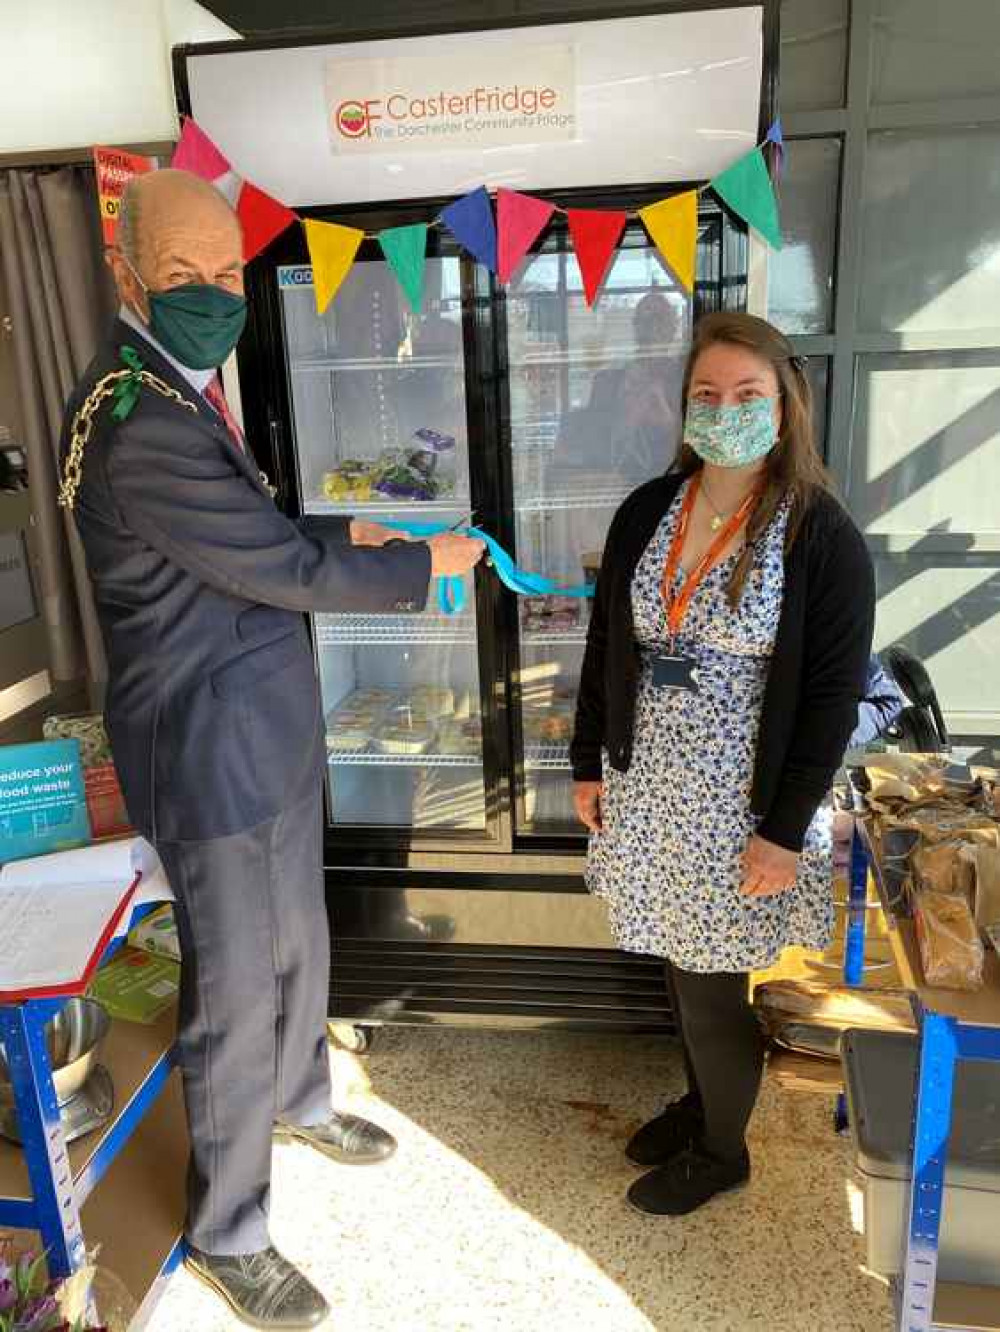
(415, 105)
(353, 119)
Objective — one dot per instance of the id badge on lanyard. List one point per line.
(673, 670)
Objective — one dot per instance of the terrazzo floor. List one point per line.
(504, 1208)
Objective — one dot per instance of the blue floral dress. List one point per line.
(676, 825)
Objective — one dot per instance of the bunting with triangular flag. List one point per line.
(595, 234)
(776, 137)
(262, 217)
(405, 248)
(746, 188)
(470, 221)
(673, 228)
(196, 152)
(332, 249)
(520, 221)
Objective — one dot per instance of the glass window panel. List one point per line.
(800, 275)
(926, 433)
(594, 412)
(379, 415)
(946, 610)
(813, 54)
(818, 370)
(927, 50)
(931, 239)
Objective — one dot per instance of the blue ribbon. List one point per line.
(451, 590)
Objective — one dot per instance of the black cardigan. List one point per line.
(817, 672)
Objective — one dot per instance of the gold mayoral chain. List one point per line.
(124, 386)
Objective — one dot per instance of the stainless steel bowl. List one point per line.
(74, 1038)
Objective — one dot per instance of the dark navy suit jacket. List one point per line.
(213, 708)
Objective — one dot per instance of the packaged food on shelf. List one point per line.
(547, 728)
(945, 820)
(351, 479)
(353, 722)
(400, 738)
(939, 867)
(551, 614)
(836, 1007)
(951, 951)
(430, 701)
(460, 736)
(908, 777)
(984, 866)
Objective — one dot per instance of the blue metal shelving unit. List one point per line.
(946, 1034)
(57, 1194)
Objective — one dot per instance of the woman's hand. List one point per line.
(768, 869)
(587, 803)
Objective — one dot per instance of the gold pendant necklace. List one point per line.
(716, 522)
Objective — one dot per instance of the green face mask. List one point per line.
(198, 324)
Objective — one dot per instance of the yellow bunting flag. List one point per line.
(332, 249)
(673, 227)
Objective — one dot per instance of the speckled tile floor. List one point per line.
(504, 1207)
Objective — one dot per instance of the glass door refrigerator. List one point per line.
(454, 861)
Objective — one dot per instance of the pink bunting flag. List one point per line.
(262, 217)
(520, 220)
(195, 152)
(595, 237)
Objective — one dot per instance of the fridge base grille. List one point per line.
(574, 989)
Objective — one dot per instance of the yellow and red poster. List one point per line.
(114, 169)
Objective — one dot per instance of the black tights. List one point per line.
(723, 1052)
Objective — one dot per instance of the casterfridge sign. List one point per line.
(500, 95)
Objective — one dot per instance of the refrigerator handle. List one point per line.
(277, 459)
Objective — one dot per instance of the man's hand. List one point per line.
(372, 534)
(451, 554)
(587, 803)
(768, 869)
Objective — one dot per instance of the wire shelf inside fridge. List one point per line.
(362, 630)
(367, 755)
(323, 363)
(547, 757)
(385, 508)
(582, 497)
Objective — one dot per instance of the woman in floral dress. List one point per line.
(725, 660)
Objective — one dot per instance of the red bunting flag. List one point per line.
(520, 220)
(195, 152)
(595, 236)
(263, 218)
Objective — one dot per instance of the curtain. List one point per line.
(61, 300)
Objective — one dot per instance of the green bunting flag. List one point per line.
(746, 188)
(406, 250)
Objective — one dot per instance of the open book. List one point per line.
(59, 913)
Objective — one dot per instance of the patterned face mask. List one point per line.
(731, 436)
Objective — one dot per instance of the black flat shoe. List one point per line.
(348, 1139)
(686, 1183)
(666, 1135)
(262, 1289)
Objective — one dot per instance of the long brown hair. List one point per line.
(793, 470)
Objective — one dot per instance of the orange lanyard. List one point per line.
(676, 607)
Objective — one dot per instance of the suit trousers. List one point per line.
(255, 977)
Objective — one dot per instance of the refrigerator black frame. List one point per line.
(379, 974)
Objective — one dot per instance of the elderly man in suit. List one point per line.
(214, 715)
